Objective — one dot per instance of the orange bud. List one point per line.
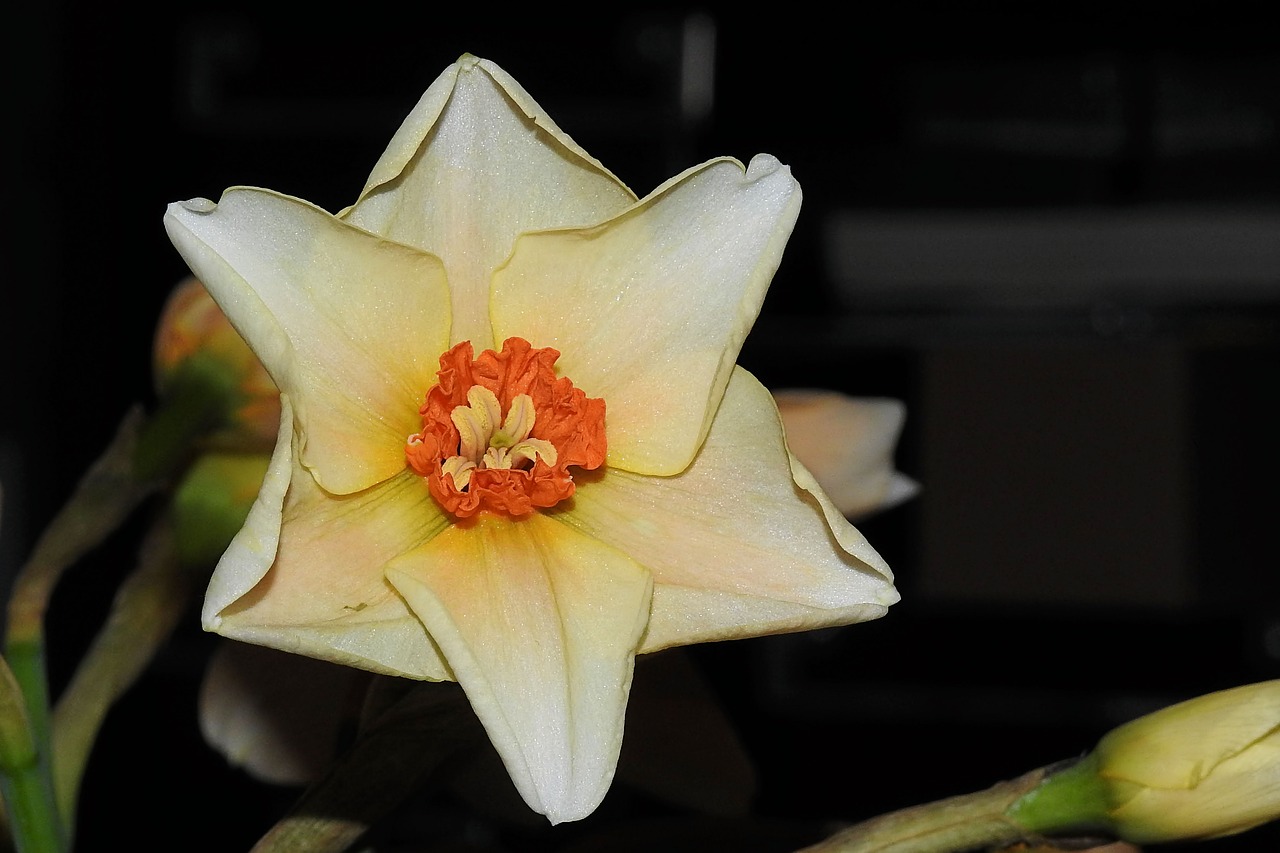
(192, 326)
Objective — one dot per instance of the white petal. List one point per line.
(848, 444)
(739, 544)
(650, 309)
(476, 163)
(349, 325)
(304, 575)
(253, 549)
(540, 626)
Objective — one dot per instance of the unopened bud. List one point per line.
(211, 503)
(195, 343)
(1206, 767)
(1200, 769)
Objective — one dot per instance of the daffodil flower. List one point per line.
(515, 448)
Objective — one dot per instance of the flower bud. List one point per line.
(1206, 767)
(212, 501)
(195, 343)
(1200, 769)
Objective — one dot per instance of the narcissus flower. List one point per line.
(515, 449)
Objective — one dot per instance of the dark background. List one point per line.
(1089, 380)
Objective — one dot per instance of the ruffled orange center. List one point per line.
(501, 431)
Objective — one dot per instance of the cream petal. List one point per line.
(348, 324)
(848, 445)
(540, 626)
(650, 309)
(304, 575)
(477, 162)
(742, 543)
(253, 549)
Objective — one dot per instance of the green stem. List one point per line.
(415, 740)
(1071, 798)
(24, 786)
(141, 455)
(33, 822)
(967, 822)
(26, 670)
(144, 613)
(102, 499)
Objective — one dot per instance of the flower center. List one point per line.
(500, 432)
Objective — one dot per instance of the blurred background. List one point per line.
(1055, 238)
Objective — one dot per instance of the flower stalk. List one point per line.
(24, 782)
(104, 497)
(416, 738)
(1203, 768)
(1071, 797)
(145, 611)
(205, 387)
(102, 500)
(967, 822)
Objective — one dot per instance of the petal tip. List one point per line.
(901, 489)
(569, 814)
(196, 205)
(763, 165)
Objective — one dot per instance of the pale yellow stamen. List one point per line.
(483, 444)
(476, 422)
(459, 469)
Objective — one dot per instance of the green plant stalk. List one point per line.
(1066, 801)
(104, 497)
(33, 820)
(414, 742)
(1071, 799)
(139, 458)
(967, 822)
(143, 614)
(33, 824)
(26, 668)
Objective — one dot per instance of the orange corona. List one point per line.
(500, 432)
